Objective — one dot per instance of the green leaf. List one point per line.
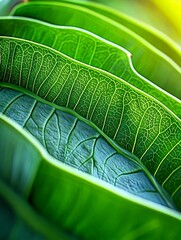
(78, 194)
(18, 219)
(79, 95)
(75, 143)
(142, 125)
(89, 49)
(150, 34)
(71, 15)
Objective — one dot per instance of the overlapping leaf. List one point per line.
(77, 144)
(75, 202)
(71, 15)
(90, 119)
(150, 34)
(21, 161)
(89, 49)
(141, 125)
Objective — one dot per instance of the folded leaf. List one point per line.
(18, 219)
(78, 202)
(134, 120)
(81, 97)
(75, 143)
(152, 35)
(89, 49)
(143, 52)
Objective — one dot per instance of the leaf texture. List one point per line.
(152, 35)
(100, 138)
(88, 195)
(141, 124)
(75, 143)
(89, 49)
(70, 15)
(18, 218)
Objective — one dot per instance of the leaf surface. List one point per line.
(71, 15)
(65, 189)
(149, 33)
(80, 108)
(75, 143)
(141, 124)
(89, 49)
(20, 158)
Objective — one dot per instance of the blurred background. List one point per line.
(165, 15)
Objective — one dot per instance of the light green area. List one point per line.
(134, 120)
(114, 137)
(67, 14)
(75, 143)
(89, 49)
(150, 34)
(18, 219)
(81, 201)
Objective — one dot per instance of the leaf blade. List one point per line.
(73, 142)
(69, 183)
(111, 31)
(23, 219)
(88, 49)
(109, 94)
(151, 34)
